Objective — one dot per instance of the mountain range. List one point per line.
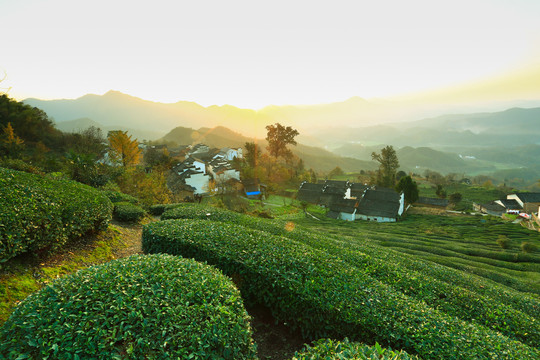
(339, 134)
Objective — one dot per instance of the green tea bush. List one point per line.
(503, 241)
(44, 214)
(117, 196)
(128, 212)
(196, 211)
(159, 209)
(324, 296)
(528, 247)
(345, 350)
(141, 307)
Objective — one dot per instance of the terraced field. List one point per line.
(413, 285)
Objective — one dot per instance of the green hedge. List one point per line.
(159, 209)
(324, 296)
(116, 196)
(141, 307)
(128, 212)
(197, 211)
(40, 213)
(520, 323)
(345, 350)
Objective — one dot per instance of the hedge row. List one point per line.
(43, 214)
(463, 303)
(141, 307)
(128, 212)
(116, 196)
(196, 211)
(345, 350)
(323, 295)
(159, 209)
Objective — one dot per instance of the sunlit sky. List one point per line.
(252, 53)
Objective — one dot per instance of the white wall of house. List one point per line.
(200, 166)
(401, 204)
(227, 175)
(347, 216)
(374, 218)
(199, 182)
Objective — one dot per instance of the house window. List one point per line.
(375, 219)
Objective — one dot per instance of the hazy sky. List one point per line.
(253, 53)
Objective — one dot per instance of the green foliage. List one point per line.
(335, 172)
(18, 164)
(455, 198)
(128, 212)
(197, 211)
(388, 165)
(503, 241)
(528, 247)
(141, 307)
(44, 214)
(117, 196)
(453, 292)
(323, 295)
(409, 189)
(278, 137)
(159, 209)
(344, 350)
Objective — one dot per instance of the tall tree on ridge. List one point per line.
(278, 137)
(388, 165)
(123, 148)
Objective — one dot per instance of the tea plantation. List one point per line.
(347, 285)
(39, 213)
(431, 287)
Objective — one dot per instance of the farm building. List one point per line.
(432, 202)
(529, 202)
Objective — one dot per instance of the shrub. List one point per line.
(528, 247)
(141, 307)
(331, 349)
(503, 241)
(323, 295)
(19, 165)
(128, 212)
(117, 196)
(43, 214)
(159, 209)
(196, 211)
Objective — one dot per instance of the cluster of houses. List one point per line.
(353, 201)
(203, 165)
(524, 204)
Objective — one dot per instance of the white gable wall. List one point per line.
(199, 182)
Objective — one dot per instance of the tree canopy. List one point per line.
(123, 148)
(388, 165)
(409, 188)
(278, 137)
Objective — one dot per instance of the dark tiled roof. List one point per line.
(311, 186)
(509, 204)
(432, 201)
(309, 196)
(337, 183)
(493, 206)
(381, 203)
(343, 205)
(529, 197)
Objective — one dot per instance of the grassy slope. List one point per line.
(24, 275)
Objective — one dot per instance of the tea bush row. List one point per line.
(128, 212)
(346, 350)
(323, 295)
(455, 300)
(141, 307)
(44, 214)
(159, 209)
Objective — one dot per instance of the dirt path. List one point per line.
(132, 239)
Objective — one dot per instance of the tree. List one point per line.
(253, 153)
(440, 192)
(10, 143)
(335, 172)
(388, 165)
(409, 188)
(455, 198)
(123, 148)
(278, 137)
